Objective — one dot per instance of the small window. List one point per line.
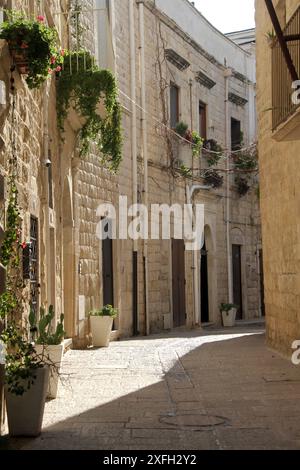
(236, 134)
(174, 105)
(202, 121)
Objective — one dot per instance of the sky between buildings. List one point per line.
(228, 15)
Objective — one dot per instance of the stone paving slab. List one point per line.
(186, 390)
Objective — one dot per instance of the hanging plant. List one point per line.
(34, 47)
(82, 85)
(213, 178)
(212, 151)
(246, 160)
(242, 185)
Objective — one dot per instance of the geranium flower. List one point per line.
(41, 18)
(24, 245)
(62, 52)
(53, 59)
(58, 69)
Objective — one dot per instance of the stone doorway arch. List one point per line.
(68, 260)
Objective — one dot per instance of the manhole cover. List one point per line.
(194, 420)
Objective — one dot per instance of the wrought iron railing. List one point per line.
(282, 91)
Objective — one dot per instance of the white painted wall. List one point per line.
(209, 38)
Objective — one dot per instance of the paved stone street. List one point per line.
(186, 390)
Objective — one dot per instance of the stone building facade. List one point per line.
(157, 49)
(279, 147)
(152, 305)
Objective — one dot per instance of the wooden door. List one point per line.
(237, 279)
(107, 270)
(178, 267)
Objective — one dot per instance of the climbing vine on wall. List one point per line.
(83, 85)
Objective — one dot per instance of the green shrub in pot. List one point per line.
(101, 322)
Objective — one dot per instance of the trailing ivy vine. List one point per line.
(83, 85)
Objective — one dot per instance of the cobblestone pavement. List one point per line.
(186, 390)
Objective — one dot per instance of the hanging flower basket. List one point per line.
(33, 46)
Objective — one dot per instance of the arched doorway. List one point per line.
(68, 261)
(204, 286)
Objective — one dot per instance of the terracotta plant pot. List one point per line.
(25, 413)
(101, 328)
(55, 355)
(20, 58)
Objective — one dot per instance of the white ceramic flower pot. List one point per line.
(101, 328)
(54, 354)
(229, 318)
(25, 413)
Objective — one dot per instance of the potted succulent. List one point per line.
(33, 46)
(49, 343)
(101, 322)
(26, 384)
(228, 312)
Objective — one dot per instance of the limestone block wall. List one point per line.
(279, 174)
(93, 185)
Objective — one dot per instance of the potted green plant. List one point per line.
(228, 312)
(101, 322)
(33, 46)
(26, 384)
(182, 130)
(49, 343)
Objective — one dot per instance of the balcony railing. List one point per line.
(283, 106)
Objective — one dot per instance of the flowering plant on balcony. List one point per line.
(34, 47)
(182, 129)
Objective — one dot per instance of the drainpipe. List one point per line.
(190, 191)
(227, 75)
(145, 153)
(134, 158)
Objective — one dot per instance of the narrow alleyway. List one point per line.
(188, 390)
